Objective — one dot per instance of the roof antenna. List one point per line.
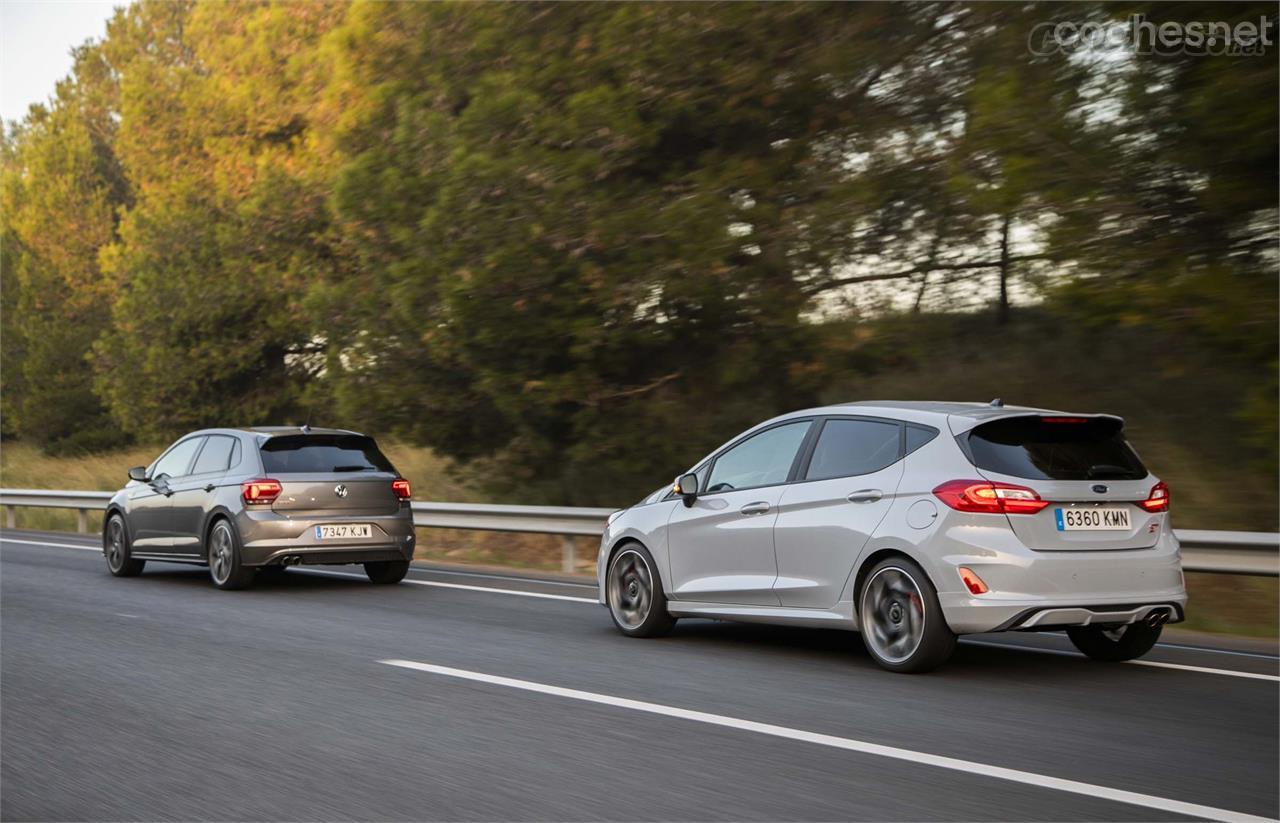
(306, 427)
(997, 403)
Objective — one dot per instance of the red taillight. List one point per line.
(1064, 420)
(989, 498)
(258, 492)
(401, 488)
(972, 582)
(1158, 499)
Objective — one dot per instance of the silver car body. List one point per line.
(793, 552)
(170, 517)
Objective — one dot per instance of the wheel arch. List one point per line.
(215, 514)
(114, 508)
(869, 560)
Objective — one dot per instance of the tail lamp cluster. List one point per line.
(264, 492)
(987, 497)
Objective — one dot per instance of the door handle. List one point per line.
(210, 487)
(865, 496)
(760, 507)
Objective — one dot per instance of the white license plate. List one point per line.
(1092, 520)
(343, 531)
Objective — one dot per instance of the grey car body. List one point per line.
(170, 509)
(795, 545)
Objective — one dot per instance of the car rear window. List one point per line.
(1055, 448)
(317, 453)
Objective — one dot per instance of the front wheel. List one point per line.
(225, 568)
(115, 545)
(386, 571)
(633, 590)
(901, 620)
(1113, 645)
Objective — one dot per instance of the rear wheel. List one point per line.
(386, 571)
(633, 590)
(224, 558)
(1114, 644)
(115, 546)
(901, 620)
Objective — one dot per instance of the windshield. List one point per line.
(1055, 448)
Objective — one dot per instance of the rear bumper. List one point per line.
(268, 538)
(1033, 590)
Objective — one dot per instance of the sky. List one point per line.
(36, 38)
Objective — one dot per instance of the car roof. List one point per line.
(277, 431)
(958, 416)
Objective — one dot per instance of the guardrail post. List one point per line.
(82, 521)
(569, 555)
(11, 517)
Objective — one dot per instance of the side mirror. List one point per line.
(138, 473)
(687, 488)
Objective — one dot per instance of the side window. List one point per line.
(235, 455)
(175, 463)
(917, 436)
(763, 460)
(215, 456)
(851, 447)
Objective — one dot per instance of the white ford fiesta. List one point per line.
(911, 522)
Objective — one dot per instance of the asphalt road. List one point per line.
(160, 697)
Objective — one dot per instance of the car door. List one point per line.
(845, 488)
(721, 546)
(149, 503)
(193, 493)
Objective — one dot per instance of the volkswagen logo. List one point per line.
(341, 490)
(1100, 488)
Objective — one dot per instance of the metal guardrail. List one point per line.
(1202, 551)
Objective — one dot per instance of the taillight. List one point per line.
(972, 582)
(1158, 499)
(260, 492)
(985, 497)
(401, 487)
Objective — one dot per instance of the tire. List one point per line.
(633, 590)
(225, 569)
(386, 571)
(116, 549)
(900, 618)
(1114, 645)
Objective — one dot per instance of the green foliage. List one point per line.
(577, 245)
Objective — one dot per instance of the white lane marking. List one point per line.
(1204, 670)
(429, 570)
(79, 546)
(1078, 656)
(1162, 804)
(441, 585)
(593, 601)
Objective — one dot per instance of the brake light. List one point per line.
(401, 487)
(1158, 499)
(259, 492)
(1064, 420)
(985, 497)
(972, 582)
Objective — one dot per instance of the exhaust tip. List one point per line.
(1157, 618)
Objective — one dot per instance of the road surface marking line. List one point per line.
(1162, 804)
(82, 547)
(1079, 656)
(441, 585)
(593, 601)
(1186, 668)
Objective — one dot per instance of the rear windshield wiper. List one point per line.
(354, 469)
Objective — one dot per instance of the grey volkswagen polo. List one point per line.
(246, 500)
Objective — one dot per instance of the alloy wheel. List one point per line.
(220, 554)
(630, 589)
(115, 544)
(893, 614)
